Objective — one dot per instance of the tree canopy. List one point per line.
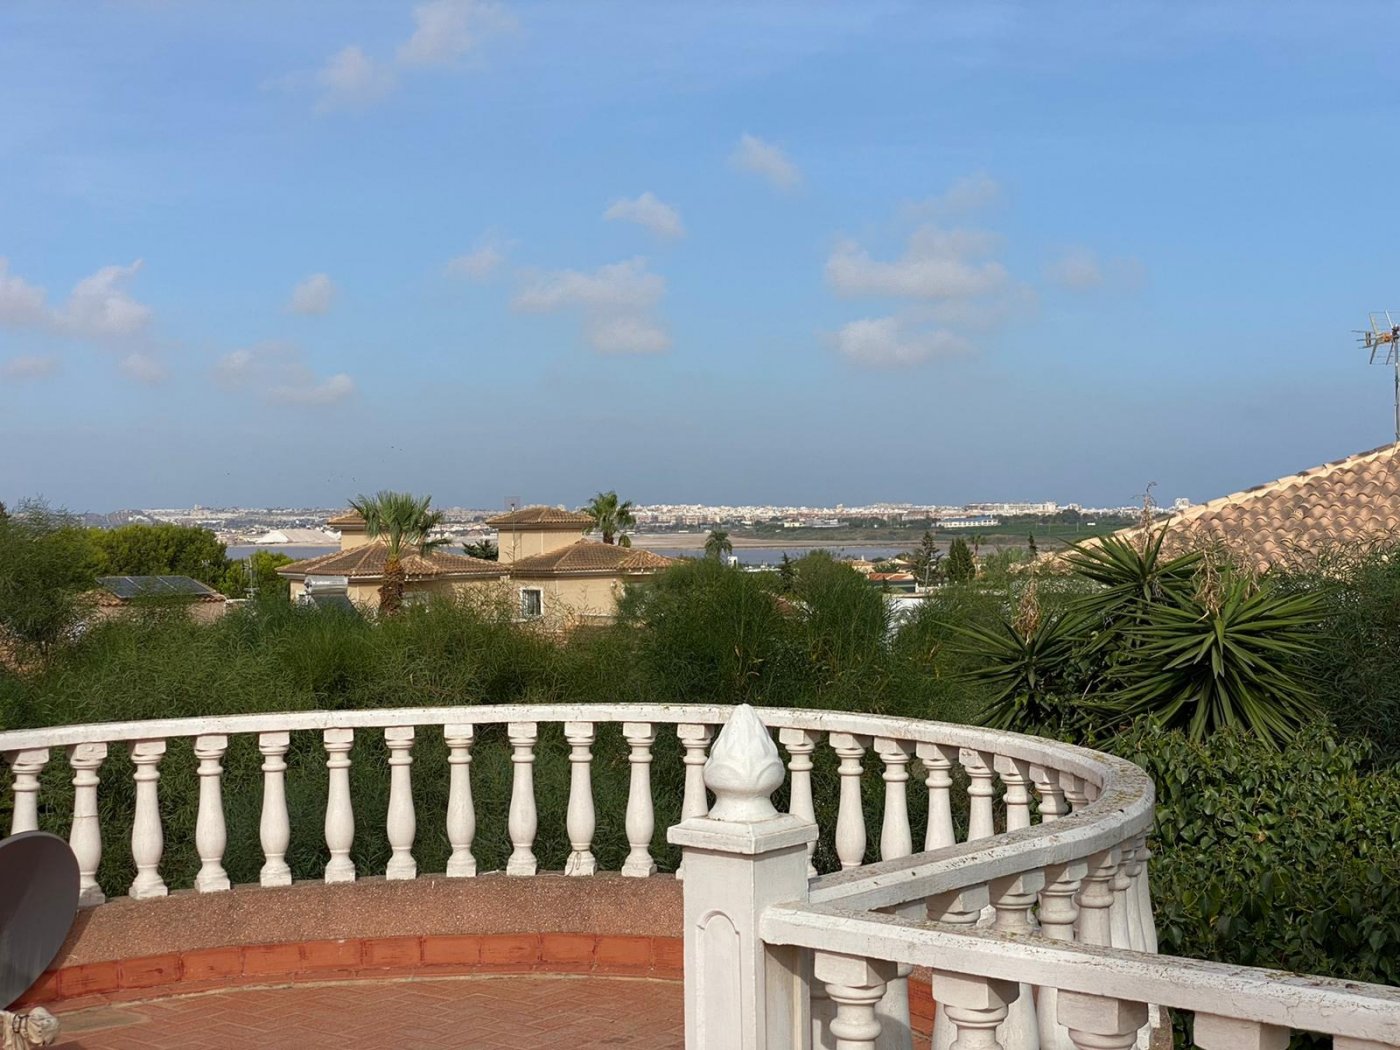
(611, 517)
(717, 544)
(161, 550)
(404, 522)
(47, 562)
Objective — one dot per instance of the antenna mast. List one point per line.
(1383, 341)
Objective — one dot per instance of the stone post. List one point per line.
(741, 994)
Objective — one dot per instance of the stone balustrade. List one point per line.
(1027, 897)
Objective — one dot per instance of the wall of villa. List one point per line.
(572, 599)
(526, 543)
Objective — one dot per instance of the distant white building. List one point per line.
(973, 521)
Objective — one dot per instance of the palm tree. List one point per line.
(403, 521)
(611, 518)
(717, 544)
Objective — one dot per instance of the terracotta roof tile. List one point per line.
(1352, 500)
(588, 556)
(367, 562)
(548, 516)
(346, 519)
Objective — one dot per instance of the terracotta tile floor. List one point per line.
(473, 1013)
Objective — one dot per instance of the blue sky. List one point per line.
(269, 253)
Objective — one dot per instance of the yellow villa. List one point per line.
(360, 561)
(560, 576)
(548, 569)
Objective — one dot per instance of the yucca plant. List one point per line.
(1232, 654)
(1029, 661)
(1131, 575)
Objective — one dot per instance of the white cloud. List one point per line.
(313, 295)
(627, 285)
(758, 157)
(627, 335)
(649, 211)
(1080, 269)
(478, 264)
(350, 79)
(326, 392)
(616, 301)
(888, 342)
(28, 367)
(445, 30)
(143, 368)
(278, 372)
(99, 306)
(21, 303)
(937, 264)
(971, 193)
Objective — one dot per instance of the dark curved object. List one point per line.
(38, 902)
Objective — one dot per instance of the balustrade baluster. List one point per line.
(975, 1007)
(641, 818)
(1012, 899)
(401, 821)
(938, 762)
(1129, 871)
(522, 821)
(956, 908)
(340, 817)
(800, 744)
(1058, 913)
(1015, 775)
(1052, 797)
(1142, 893)
(896, 839)
(980, 822)
(856, 986)
(850, 814)
(580, 821)
(210, 832)
(1099, 1023)
(695, 739)
(85, 837)
(1099, 921)
(1076, 791)
(1096, 899)
(1213, 1032)
(461, 813)
(147, 839)
(274, 828)
(27, 765)
(1119, 928)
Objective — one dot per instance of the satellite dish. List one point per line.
(38, 902)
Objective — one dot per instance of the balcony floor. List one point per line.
(463, 1013)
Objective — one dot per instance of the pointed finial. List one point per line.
(744, 769)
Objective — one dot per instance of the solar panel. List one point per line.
(131, 587)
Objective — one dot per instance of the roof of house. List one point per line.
(367, 563)
(543, 517)
(891, 577)
(1349, 500)
(587, 557)
(347, 519)
(119, 590)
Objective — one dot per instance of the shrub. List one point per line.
(47, 561)
(1281, 858)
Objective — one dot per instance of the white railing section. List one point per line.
(1037, 927)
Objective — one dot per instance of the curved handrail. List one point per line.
(1122, 808)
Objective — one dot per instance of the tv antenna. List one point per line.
(1383, 341)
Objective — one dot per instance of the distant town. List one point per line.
(668, 524)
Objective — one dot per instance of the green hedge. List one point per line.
(1287, 859)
